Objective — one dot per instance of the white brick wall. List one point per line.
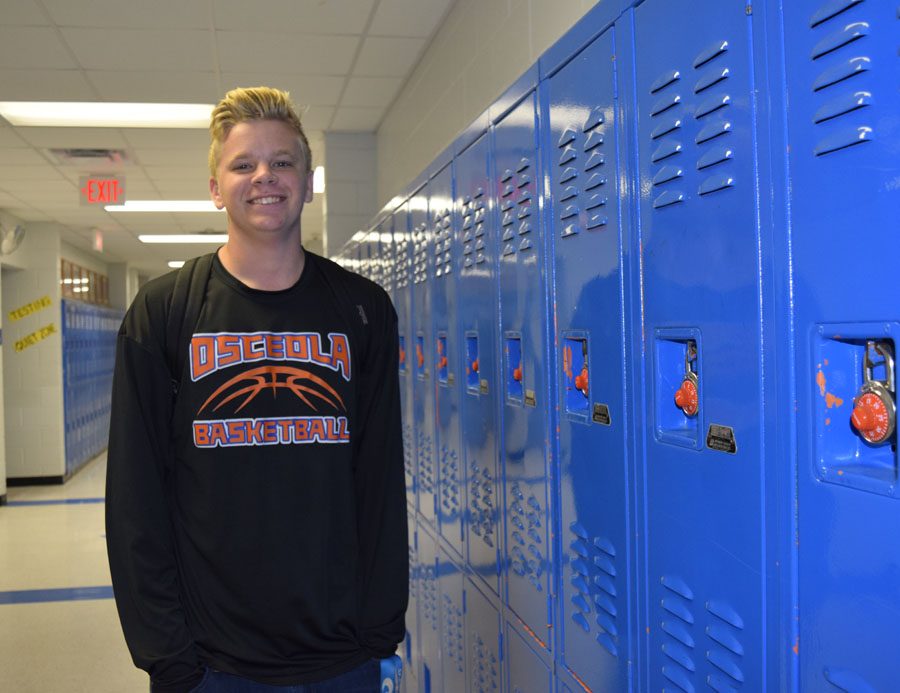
(482, 47)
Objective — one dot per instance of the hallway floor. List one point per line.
(59, 631)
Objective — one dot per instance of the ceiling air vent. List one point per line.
(93, 158)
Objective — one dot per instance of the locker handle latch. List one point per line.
(687, 396)
(874, 411)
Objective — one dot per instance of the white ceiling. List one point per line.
(343, 61)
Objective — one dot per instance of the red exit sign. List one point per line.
(102, 190)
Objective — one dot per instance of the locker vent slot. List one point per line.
(677, 621)
(838, 73)
(481, 503)
(831, 9)
(408, 462)
(709, 53)
(664, 80)
(840, 38)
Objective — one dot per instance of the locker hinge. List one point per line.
(500, 644)
(748, 9)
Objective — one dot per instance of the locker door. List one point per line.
(480, 392)
(483, 656)
(446, 349)
(452, 640)
(412, 645)
(527, 673)
(422, 353)
(844, 136)
(705, 455)
(594, 456)
(526, 410)
(406, 328)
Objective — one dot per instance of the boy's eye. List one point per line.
(283, 164)
(240, 167)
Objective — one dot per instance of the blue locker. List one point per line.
(842, 72)
(582, 144)
(422, 352)
(446, 342)
(429, 672)
(478, 299)
(483, 652)
(527, 672)
(405, 324)
(706, 442)
(412, 643)
(453, 638)
(528, 559)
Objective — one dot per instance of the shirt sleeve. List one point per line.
(381, 491)
(139, 532)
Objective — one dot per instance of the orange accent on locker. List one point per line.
(517, 374)
(475, 366)
(581, 381)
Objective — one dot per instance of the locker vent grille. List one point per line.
(413, 573)
(667, 117)
(725, 649)
(843, 102)
(715, 160)
(453, 634)
(429, 596)
(449, 482)
(481, 503)
(441, 238)
(517, 208)
(426, 466)
(408, 456)
(484, 666)
(595, 595)
(420, 254)
(583, 142)
(527, 552)
(404, 261)
(677, 621)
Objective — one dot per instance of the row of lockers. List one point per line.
(89, 351)
(647, 339)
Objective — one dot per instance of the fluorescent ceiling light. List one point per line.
(109, 115)
(176, 264)
(319, 179)
(164, 206)
(183, 238)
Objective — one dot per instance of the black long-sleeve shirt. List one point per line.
(260, 527)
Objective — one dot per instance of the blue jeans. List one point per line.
(366, 678)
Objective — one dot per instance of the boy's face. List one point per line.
(262, 179)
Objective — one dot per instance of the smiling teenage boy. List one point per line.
(256, 521)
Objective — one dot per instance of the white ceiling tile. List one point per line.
(184, 14)
(22, 13)
(305, 90)
(155, 86)
(371, 92)
(277, 53)
(348, 118)
(181, 173)
(12, 157)
(171, 157)
(9, 200)
(36, 172)
(167, 138)
(10, 138)
(307, 16)
(136, 49)
(181, 189)
(41, 85)
(33, 48)
(29, 214)
(315, 118)
(388, 57)
(28, 190)
(408, 17)
(73, 137)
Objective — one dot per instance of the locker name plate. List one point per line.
(483, 386)
(601, 414)
(721, 438)
(530, 399)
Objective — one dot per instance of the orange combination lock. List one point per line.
(581, 381)
(874, 411)
(687, 396)
(475, 366)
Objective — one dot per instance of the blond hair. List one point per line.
(253, 103)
